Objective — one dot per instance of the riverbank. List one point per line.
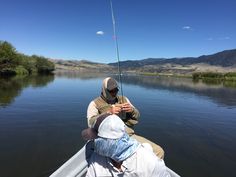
(230, 76)
(15, 63)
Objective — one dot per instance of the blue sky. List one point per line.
(82, 29)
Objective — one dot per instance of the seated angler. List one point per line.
(110, 102)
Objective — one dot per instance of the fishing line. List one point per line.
(117, 48)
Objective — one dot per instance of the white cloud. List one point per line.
(219, 38)
(186, 28)
(100, 33)
(210, 39)
(224, 38)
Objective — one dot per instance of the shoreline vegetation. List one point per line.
(15, 63)
(229, 76)
(212, 78)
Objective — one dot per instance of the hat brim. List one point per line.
(89, 134)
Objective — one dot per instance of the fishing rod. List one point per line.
(117, 48)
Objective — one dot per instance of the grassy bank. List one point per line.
(164, 74)
(231, 76)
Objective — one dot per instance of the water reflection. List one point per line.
(230, 84)
(80, 75)
(42, 130)
(219, 93)
(222, 93)
(12, 87)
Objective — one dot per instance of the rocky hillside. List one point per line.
(224, 61)
(81, 66)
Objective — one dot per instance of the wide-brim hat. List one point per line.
(107, 126)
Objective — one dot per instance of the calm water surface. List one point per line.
(41, 119)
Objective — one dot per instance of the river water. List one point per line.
(41, 119)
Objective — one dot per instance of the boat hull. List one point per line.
(77, 165)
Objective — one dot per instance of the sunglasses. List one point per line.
(115, 90)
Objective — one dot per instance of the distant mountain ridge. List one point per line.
(222, 62)
(225, 58)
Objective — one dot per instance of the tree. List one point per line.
(8, 58)
(43, 65)
(13, 63)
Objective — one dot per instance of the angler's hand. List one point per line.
(127, 107)
(115, 109)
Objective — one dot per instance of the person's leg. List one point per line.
(156, 148)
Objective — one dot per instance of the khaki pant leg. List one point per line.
(156, 148)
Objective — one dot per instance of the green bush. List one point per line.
(20, 70)
(230, 74)
(7, 71)
(8, 56)
(12, 62)
(212, 75)
(196, 76)
(227, 79)
(208, 75)
(43, 65)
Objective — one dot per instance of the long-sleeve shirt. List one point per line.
(93, 112)
(143, 163)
